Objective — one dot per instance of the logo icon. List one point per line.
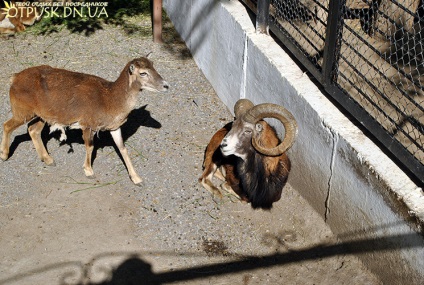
(10, 10)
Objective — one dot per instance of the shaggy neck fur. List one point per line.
(263, 177)
(262, 187)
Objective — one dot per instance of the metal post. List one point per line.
(333, 40)
(157, 21)
(262, 17)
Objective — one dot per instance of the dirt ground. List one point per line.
(59, 227)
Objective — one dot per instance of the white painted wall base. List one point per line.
(361, 193)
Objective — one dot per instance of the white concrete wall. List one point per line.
(361, 193)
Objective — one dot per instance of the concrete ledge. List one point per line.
(358, 190)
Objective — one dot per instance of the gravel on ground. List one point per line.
(59, 227)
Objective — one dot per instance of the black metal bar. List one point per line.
(413, 166)
(332, 40)
(262, 18)
(402, 154)
(376, 106)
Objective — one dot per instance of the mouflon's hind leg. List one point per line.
(117, 138)
(8, 127)
(34, 131)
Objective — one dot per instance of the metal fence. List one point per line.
(368, 56)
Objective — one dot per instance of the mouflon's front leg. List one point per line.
(117, 138)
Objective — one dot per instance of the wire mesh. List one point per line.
(303, 23)
(377, 59)
(381, 68)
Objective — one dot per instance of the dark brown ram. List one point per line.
(248, 155)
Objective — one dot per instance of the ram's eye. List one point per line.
(247, 131)
(143, 74)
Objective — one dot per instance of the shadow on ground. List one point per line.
(137, 118)
(135, 270)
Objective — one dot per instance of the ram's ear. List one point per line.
(148, 55)
(259, 127)
(131, 69)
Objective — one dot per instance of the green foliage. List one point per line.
(88, 21)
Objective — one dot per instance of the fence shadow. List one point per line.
(135, 270)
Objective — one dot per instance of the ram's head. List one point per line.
(249, 131)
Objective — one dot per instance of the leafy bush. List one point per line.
(88, 21)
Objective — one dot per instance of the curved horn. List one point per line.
(280, 113)
(241, 107)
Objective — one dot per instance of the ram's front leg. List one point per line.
(206, 179)
(87, 136)
(232, 183)
(117, 138)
